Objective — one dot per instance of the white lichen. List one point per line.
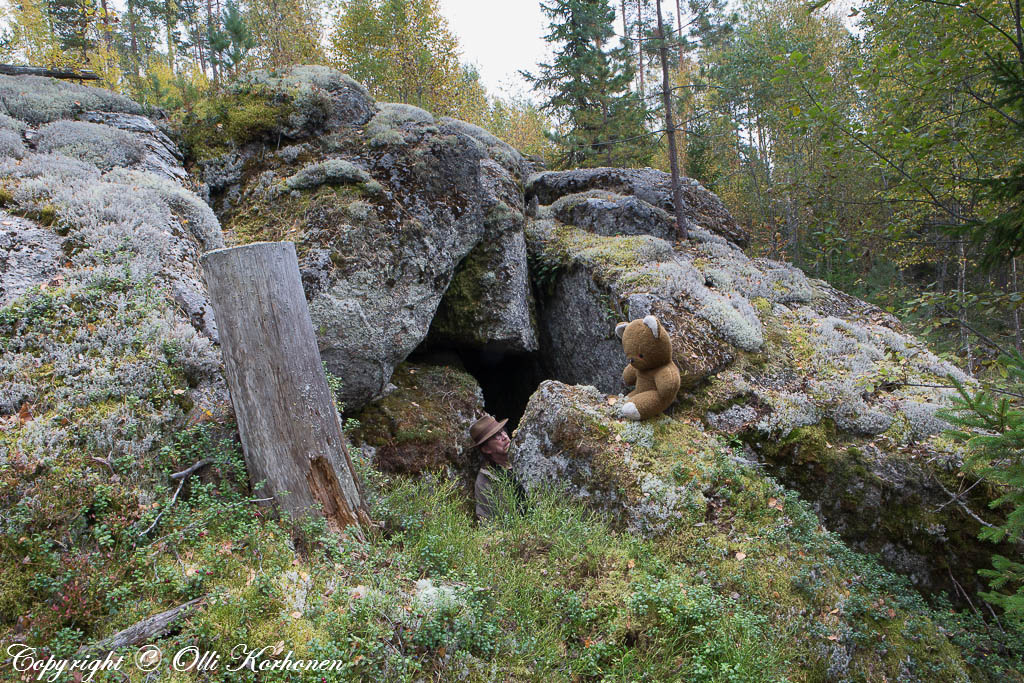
(103, 146)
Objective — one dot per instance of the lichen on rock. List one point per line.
(422, 424)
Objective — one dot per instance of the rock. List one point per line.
(571, 438)
(793, 367)
(489, 304)
(36, 99)
(606, 213)
(114, 346)
(652, 186)
(161, 155)
(423, 424)
(318, 98)
(593, 282)
(396, 207)
(29, 255)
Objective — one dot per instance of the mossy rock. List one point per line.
(423, 424)
(894, 502)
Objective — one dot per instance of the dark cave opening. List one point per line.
(507, 379)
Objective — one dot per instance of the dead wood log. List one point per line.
(291, 432)
(149, 628)
(16, 70)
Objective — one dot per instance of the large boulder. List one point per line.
(654, 187)
(593, 282)
(384, 203)
(489, 304)
(826, 390)
(736, 528)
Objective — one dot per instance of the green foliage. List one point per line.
(249, 113)
(587, 89)
(230, 46)
(402, 51)
(991, 423)
(1002, 236)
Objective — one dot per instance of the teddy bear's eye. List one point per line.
(641, 355)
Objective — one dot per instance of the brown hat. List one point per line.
(485, 428)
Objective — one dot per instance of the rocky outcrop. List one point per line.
(29, 255)
(384, 203)
(826, 390)
(676, 481)
(422, 425)
(651, 186)
(99, 277)
(412, 229)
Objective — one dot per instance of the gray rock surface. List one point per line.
(380, 240)
(29, 255)
(702, 207)
(570, 438)
(322, 99)
(161, 156)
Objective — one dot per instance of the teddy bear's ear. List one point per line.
(620, 329)
(652, 323)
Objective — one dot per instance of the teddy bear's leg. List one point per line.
(629, 411)
(648, 404)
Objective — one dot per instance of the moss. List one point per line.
(460, 309)
(423, 424)
(250, 114)
(762, 305)
(289, 216)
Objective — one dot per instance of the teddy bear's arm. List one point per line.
(629, 375)
(666, 382)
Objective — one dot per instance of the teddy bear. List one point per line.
(649, 349)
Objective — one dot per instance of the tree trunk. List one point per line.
(640, 43)
(209, 30)
(291, 433)
(146, 630)
(1016, 310)
(677, 190)
(70, 74)
(679, 35)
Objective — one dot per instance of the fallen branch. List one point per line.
(147, 629)
(15, 70)
(182, 476)
(956, 497)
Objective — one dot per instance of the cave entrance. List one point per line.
(507, 379)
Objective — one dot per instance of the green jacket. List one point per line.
(484, 493)
(486, 479)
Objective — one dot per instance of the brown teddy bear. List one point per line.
(649, 349)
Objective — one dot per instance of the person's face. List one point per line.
(497, 445)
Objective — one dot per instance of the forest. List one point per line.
(872, 144)
(877, 145)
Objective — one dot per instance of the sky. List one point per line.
(503, 36)
(500, 37)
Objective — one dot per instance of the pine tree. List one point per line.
(72, 20)
(231, 45)
(587, 87)
(991, 423)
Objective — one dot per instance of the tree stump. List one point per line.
(291, 432)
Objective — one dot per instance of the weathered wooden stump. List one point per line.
(291, 432)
